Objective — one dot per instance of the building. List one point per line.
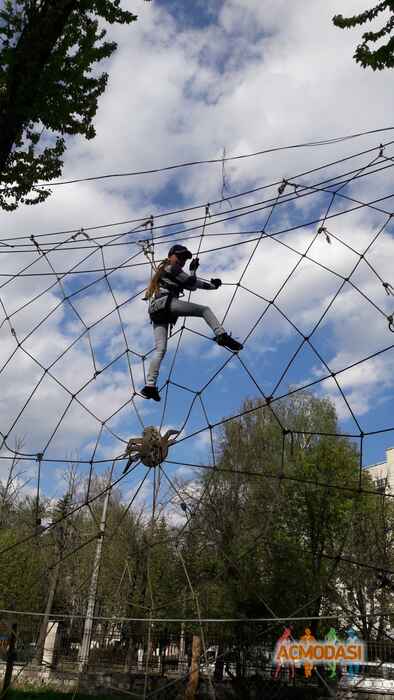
(383, 473)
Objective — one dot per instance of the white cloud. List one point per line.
(261, 75)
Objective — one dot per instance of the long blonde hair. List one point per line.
(154, 284)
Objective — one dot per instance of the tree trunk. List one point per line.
(32, 53)
(10, 660)
(219, 664)
(192, 685)
(131, 656)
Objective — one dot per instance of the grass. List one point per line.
(30, 693)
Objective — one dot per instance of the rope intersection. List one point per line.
(100, 256)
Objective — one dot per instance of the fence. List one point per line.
(238, 655)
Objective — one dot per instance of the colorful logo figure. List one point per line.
(310, 653)
(331, 636)
(308, 637)
(352, 636)
(284, 639)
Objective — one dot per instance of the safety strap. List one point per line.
(163, 315)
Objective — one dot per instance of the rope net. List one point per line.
(298, 258)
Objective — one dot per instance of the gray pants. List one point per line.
(160, 331)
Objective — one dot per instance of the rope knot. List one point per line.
(282, 186)
(389, 289)
(323, 229)
(148, 248)
(81, 232)
(33, 240)
(149, 222)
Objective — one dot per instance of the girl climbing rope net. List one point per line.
(166, 286)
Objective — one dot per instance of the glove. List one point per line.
(194, 264)
(216, 282)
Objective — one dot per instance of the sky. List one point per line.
(191, 81)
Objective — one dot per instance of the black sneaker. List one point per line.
(150, 392)
(227, 341)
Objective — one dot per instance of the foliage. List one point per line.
(365, 54)
(49, 86)
(272, 538)
(366, 600)
(22, 584)
(279, 511)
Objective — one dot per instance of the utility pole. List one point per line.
(87, 631)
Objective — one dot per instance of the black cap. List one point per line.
(181, 251)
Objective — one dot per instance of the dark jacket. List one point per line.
(173, 281)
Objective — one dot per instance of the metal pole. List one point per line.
(87, 631)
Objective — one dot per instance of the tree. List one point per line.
(364, 594)
(272, 543)
(375, 58)
(12, 486)
(273, 546)
(22, 583)
(47, 87)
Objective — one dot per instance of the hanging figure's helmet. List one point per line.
(181, 251)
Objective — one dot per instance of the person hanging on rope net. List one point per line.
(166, 286)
